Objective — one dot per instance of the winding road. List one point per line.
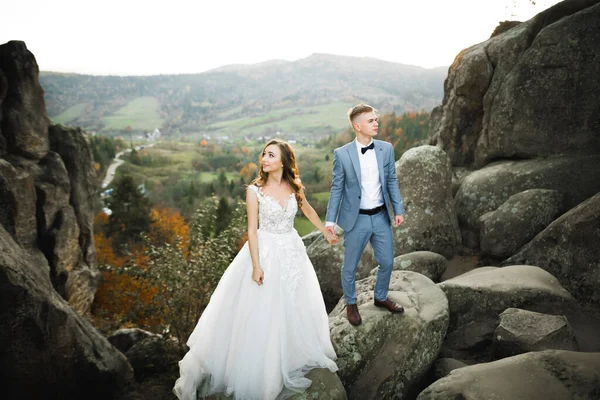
(112, 168)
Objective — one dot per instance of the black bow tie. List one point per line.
(363, 150)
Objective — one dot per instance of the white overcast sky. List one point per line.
(135, 37)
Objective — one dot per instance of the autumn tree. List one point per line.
(185, 280)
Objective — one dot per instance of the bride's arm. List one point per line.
(252, 212)
(313, 217)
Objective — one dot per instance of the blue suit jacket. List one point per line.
(344, 199)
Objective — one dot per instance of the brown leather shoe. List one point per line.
(353, 315)
(390, 305)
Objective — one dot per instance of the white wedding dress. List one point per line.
(258, 342)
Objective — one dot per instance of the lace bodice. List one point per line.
(272, 217)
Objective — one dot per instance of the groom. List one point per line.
(364, 190)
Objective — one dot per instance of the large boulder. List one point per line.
(516, 94)
(153, 356)
(24, 122)
(326, 385)
(577, 178)
(522, 331)
(517, 221)
(477, 298)
(124, 339)
(548, 375)
(569, 249)
(425, 177)
(47, 348)
(388, 354)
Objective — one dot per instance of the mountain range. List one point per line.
(306, 96)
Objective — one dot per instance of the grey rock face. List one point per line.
(47, 346)
(522, 331)
(476, 300)
(444, 366)
(425, 180)
(152, 356)
(484, 190)
(457, 123)
(388, 354)
(569, 249)
(24, 119)
(74, 150)
(548, 375)
(530, 91)
(326, 385)
(517, 221)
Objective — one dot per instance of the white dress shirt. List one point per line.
(370, 187)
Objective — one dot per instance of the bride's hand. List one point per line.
(258, 275)
(331, 237)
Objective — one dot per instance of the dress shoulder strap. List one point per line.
(256, 190)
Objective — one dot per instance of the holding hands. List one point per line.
(330, 235)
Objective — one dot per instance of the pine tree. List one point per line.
(130, 213)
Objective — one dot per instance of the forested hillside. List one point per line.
(305, 97)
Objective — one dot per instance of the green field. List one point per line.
(294, 119)
(303, 226)
(321, 197)
(70, 114)
(139, 114)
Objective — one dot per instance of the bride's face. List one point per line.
(271, 159)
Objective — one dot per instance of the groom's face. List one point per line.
(367, 124)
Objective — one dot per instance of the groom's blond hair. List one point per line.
(357, 110)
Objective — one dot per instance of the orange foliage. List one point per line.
(249, 171)
(167, 225)
(120, 296)
(203, 142)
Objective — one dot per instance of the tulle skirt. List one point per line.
(258, 342)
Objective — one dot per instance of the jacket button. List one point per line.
(359, 197)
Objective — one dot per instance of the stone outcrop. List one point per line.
(47, 346)
(48, 273)
(529, 92)
(388, 354)
(548, 375)
(47, 182)
(576, 178)
(425, 178)
(24, 120)
(517, 221)
(477, 298)
(522, 331)
(569, 249)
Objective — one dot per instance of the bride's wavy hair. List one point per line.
(291, 174)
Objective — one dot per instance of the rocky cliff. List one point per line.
(48, 273)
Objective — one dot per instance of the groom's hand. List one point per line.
(331, 229)
(398, 220)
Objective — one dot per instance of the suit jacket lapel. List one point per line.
(354, 159)
(379, 154)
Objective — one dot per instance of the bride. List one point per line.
(266, 325)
